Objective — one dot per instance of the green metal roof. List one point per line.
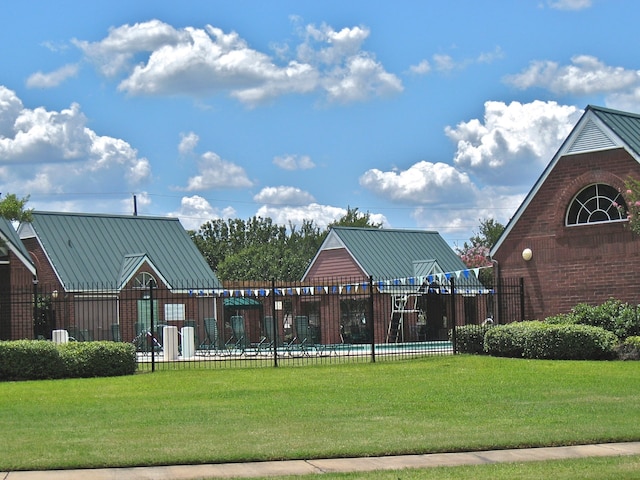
(624, 124)
(99, 251)
(389, 253)
(10, 236)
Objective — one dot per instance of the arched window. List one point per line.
(143, 280)
(597, 203)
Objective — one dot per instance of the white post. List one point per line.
(60, 336)
(188, 342)
(170, 343)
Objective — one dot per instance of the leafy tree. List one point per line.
(219, 239)
(355, 218)
(488, 234)
(475, 253)
(258, 249)
(13, 208)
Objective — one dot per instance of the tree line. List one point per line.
(258, 249)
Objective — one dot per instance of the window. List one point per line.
(143, 280)
(597, 203)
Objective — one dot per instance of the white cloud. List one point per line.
(188, 142)
(51, 151)
(514, 142)
(421, 184)
(421, 68)
(10, 108)
(195, 211)
(283, 195)
(200, 62)
(294, 162)
(214, 172)
(585, 76)
(457, 223)
(361, 78)
(446, 63)
(52, 79)
(114, 54)
(569, 4)
(321, 215)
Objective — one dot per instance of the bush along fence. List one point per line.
(588, 332)
(261, 323)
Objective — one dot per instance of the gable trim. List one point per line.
(27, 262)
(131, 264)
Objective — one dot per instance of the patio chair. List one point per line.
(210, 342)
(301, 342)
(269, 339)
(238, 340)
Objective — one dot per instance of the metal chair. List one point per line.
(210, 343)
(238, 340)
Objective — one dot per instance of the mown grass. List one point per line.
(207, 416)
(608, 468)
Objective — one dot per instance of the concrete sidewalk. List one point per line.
(302, 467)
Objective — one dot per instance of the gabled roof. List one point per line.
(598, 129)
(10, 237)
(103, 251)
(389, 253)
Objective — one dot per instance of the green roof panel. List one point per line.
(624, 124)
(94, 250)
(390, 253)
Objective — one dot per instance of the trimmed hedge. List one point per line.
(551, 341)
(29, 360)
(507, 340)
(98, 359)
(40, 359)
(619, 318)
(470, 338)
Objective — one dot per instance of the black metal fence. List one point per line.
(261, 324)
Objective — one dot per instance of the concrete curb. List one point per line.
(335, 465)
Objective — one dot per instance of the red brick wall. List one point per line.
(16, 294)
(334, 263)
(578, 264)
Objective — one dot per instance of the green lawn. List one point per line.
(608, 468)
(431, 405)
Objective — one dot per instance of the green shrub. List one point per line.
(550, 341)
(40, 359)
(470, 338)
(29, 360)
(508, 340)
(629, 349)
(619, 318)
(98, 359)
(570, 342)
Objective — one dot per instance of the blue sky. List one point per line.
(428, 115)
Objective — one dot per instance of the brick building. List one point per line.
(94, 273)
(17, 275)
(568, 240)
